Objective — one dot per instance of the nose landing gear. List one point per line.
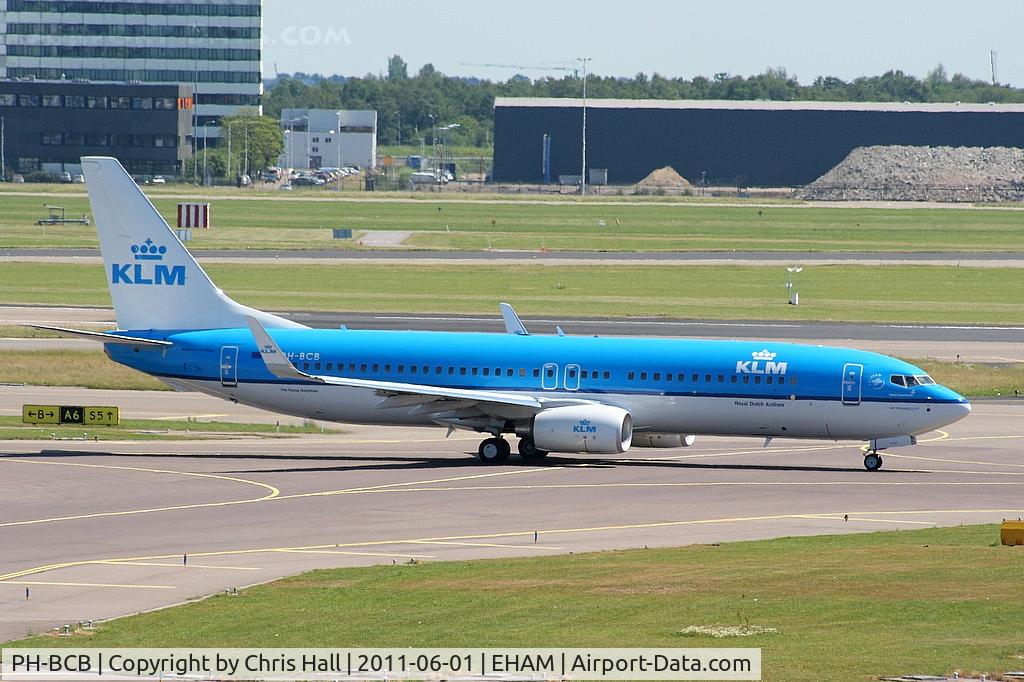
(872, 461)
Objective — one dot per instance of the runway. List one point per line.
(96, 530)
(978, 259)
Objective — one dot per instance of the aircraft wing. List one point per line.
(280, 366)
(104, 337)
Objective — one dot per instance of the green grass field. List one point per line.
(843, 607)
(11, 428)
(92, 369)
(846, 293)
(297, 223)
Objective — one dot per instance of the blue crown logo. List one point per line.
(148, 251)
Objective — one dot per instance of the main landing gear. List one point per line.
(872, 461)
(497, 451)
(494, 451)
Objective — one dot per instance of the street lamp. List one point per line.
(583, 174)
(399, 115)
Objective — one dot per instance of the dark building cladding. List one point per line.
(750, 143)
(50, 125)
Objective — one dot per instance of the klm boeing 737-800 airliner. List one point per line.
(557, 393)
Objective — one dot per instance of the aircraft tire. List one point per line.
(528, 450)
(872, 461)
(494, 451)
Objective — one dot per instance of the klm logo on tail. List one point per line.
(147, 269)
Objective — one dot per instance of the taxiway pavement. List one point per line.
(95, 530)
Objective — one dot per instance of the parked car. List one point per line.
(79, 179)
(286, 187)
(159, 180)
(18, 178)
(65, 177)
(306, 181)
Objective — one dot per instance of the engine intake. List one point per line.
(583, 428)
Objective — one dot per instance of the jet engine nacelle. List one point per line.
(663, 440)
(583, 428)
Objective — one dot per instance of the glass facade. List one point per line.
(160, 9)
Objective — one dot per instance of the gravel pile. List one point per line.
(665, 178)
(900, 173)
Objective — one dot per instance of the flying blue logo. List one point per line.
(584, 427)
(147, 269)
(761, 362)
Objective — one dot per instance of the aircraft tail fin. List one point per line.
(154, 281)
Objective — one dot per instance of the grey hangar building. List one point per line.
(746, 143)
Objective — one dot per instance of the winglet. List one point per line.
(273, 357)
(513, 325)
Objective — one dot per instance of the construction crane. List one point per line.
(527, 67)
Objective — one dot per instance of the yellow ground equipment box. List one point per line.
(1012, 532)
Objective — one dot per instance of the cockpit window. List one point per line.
(909, 381)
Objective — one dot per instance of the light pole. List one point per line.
(228, 173)
(3, 151)
(583, 173)
(433, 140)
(399, 115)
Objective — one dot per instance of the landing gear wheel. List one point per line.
(494, 451)
(528, 450)
(872, 461)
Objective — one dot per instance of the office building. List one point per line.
(313, 138)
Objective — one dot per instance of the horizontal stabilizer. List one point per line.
(104, 337)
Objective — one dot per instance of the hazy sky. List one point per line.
(681, 38)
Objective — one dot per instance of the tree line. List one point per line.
(410, 106)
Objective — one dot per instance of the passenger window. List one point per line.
(550, 372)
(412, 369)
(746, 378)
(643, 376)
(607, 375)
(792, 381)
(732, 379)
(768, 380)
(351, 367)
(487, 371)
(694, 378)
(451, 370)
(657, 376)
(522, 372)
(682, 377)
(583, 374)
(316, 366)
(330, 365)
(376, 368)
(437, 370)
(721, 378)
(401, 369)
(462, 371)
(387, 369)
(707, 378)
(305, 365)
(631, 375)
(426, 369)
(362, 367)
(536, 373)
(757, 379)
(668, 376)
(510, 371)
(474, 371)
(572, 373)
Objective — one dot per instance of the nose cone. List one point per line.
(953, 407)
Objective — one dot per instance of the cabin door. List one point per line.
(229, 366)
(852, 376)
